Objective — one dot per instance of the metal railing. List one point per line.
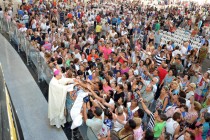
(33, 56)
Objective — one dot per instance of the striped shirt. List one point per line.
(159, 59)
(151, 123)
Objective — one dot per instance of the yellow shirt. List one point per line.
(98, 28)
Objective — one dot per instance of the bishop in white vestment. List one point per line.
(57, 98)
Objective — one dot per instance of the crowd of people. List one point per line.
(138, 88)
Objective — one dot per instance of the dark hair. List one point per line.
(163, 117)
(138, 57)
(123, 100)
(90, 114)
(98, 111)
(52, 59)
(63, 69)
(79, 72)
(207, 117)
(62, 45)
(140, 113)
(107, 99)
(111, 93)
(129, 86)
(182, 94)
(177, 47)
(101, 74)
(108, 113)
(182, 100)
(76, 60)
(59, 61)
(132, 124)
(185, 107)
(100, 85)
(149, 61)
(127, 75)
(110, 73)
(167, 136)
(176, 116)
(192, 135)
(159, 111)
(149, 135)
(179, 59)
(121, 86)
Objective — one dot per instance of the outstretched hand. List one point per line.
(89, 87)
(88, 80)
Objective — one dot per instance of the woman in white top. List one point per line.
(119, 119)
(172, 125)
(33, 24)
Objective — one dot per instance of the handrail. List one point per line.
(33, 56)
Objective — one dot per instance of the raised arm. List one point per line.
(145, 107)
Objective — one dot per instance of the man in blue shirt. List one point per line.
(157, 39)
(137, 29)
(189, 48)
(20, 12)
(114, 21)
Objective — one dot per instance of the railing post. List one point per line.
(16, 34)
(38, 68)
(8, 26)
(72, 134)
(27, 54)
(18, 42)
(1, 24)
(9, 31)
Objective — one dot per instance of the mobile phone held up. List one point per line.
(86, 99)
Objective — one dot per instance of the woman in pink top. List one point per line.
(124, 68)
(138, 45)
(138, 132)
(198, 131)
(47, 45)
(107, 51)
(106, 87)
(101, 47)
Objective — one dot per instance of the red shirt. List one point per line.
(82, 14)
(162, 73)
(69, 15)
(98, 19)
(91, 57)
(121, 60)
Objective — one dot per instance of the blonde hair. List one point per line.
(175, 83)
(197, 106)
(137, 121)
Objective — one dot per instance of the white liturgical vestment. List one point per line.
(57, 99)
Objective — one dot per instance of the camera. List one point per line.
(86, 99)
